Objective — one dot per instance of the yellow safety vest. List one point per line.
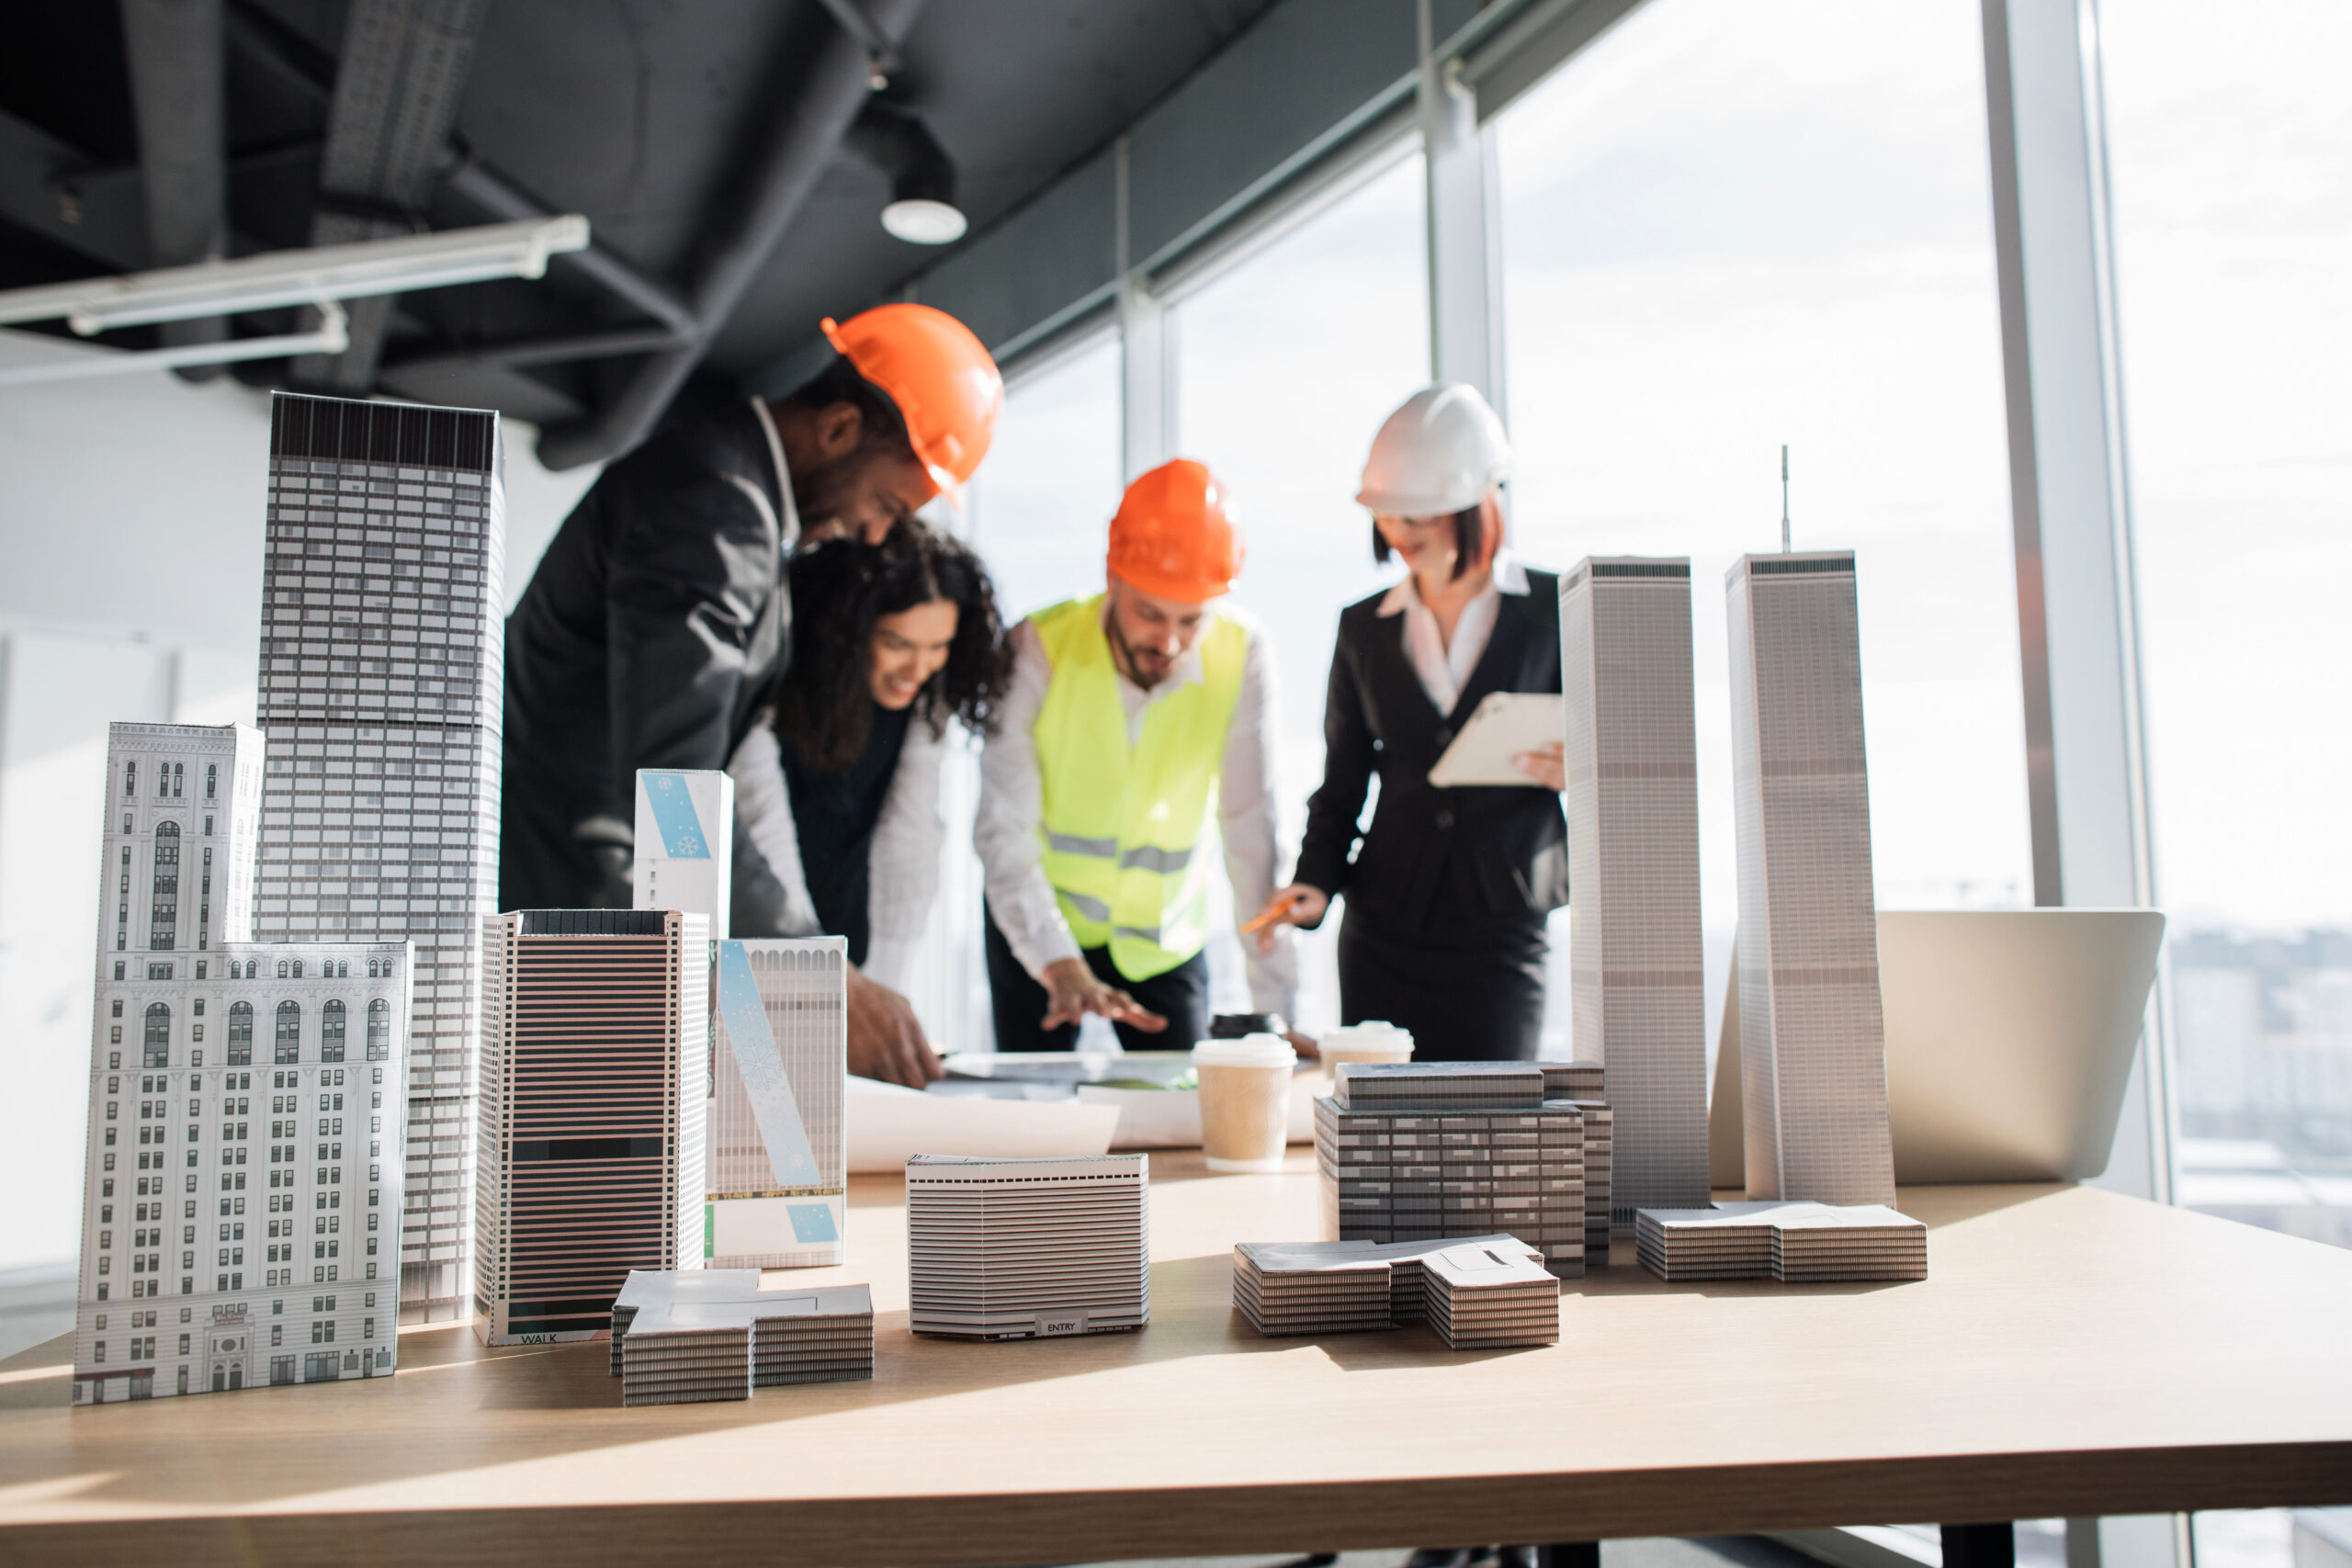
(1125, 827)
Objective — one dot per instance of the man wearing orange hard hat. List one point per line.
(660, 617)
(1138, 727)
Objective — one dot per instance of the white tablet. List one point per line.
(1500, 727)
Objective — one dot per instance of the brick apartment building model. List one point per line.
(380, 691)
(242, 1178)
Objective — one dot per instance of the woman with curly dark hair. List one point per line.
(837, 826)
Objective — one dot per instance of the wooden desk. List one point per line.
(2073, 1353)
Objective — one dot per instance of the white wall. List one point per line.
(130, 548)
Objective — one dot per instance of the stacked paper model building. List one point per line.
(775, 1182)
(1027, 1248)
(1343, 1287)
(241, 1219)
(593, 1092)
(1631, 755)
(1797, 1243)
(689, 1338)
(1425, 1151)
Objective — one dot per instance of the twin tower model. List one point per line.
(1813, 1050)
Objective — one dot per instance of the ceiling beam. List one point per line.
(178, 92)
(42, 191)
(404, 69)
(801, 143)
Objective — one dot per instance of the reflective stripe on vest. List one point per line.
(1121, 824)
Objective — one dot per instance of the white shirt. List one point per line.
(1006, 832)
(1444, 669)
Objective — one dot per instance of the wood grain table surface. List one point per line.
(2071, 1353)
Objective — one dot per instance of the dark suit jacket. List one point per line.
(652, 631)
(1436, 863)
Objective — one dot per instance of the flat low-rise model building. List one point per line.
(594, 1088)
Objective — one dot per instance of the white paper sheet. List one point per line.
(890, 1124)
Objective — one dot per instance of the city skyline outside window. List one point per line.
(2228, 153)
(1734, 224)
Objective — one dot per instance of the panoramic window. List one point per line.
(1285, 364)
(1736, 224)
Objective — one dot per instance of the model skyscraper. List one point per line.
(1813, 1051)
(1633, 808)
(380, 692)
(593, 1088)
(778, 1172)
(190, 1143)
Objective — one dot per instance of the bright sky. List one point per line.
(1734, 223)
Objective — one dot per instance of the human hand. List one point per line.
(1296, 905)
(885, 1041)
(1546, 765)
(1072, 990)
(1305, 1046)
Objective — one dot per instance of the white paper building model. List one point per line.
(1633, 809)
(242, 1185)
(1027, 1248)
(684, 856)
(1812, 1039)
(381, 691)
(594, 1093)
(777, 1180)
(689, 1338)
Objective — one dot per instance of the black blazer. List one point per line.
(1499, 852)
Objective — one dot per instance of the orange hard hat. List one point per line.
(946, 387)
(1173, 536)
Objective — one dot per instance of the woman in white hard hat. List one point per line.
(1448, 895)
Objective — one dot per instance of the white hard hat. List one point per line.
(1440, 453)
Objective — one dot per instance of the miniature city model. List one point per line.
(1429, 1151)
(1797, 1243)
(169, 1302)
(381, 693)
(593, 1090)
(779, 1175)
(1813, 1051)
(686, 1339)
(1632, 808)
(1027, 1248)
(1342, 1287)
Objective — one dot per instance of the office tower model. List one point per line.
(593, 1090)
(712, 1334)
(381, 694)
(191, 1141)
(1027, 1248)
(1446, 1151)
(1813, 1051)
(1633, 808)
(777, 1180)
(1796, 1243)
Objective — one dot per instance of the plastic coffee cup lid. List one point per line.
(1373, 1034)
(1249, 1051)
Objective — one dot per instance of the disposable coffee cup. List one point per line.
(1370, 1042)
(1245, 1100)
